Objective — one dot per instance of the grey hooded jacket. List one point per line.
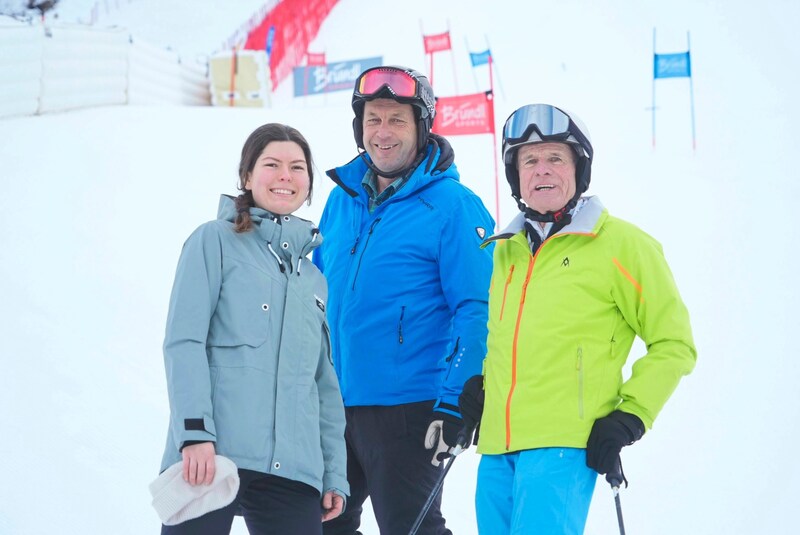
(247, 351)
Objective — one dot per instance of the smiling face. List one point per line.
(279, 179)
(390, 134)
(546, 175)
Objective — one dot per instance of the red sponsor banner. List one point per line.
(296, 23)
(435, 43)
(313, 58)
(465, 114)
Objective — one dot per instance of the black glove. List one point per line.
(609, 434)
(471, 400)
(442, 436)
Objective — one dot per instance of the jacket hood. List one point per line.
(289, 238)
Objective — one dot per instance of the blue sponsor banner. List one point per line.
(672, 65)
(339, 76)
(480, 58)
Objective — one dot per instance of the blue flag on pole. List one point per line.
(672, 65)
(480, 58)
(270, 39)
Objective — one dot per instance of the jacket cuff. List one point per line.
(636, 410)
(338, 484)
(196, 430)
(447, 408)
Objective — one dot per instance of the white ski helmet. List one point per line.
(542, 123)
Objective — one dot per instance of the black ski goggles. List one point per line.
(550, 123)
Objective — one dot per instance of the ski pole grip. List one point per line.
(614, 476)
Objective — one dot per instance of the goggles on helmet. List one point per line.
(399, 83)
(549, 122)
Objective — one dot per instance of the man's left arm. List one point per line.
(649, 300)
(465, 271)
(646, 295)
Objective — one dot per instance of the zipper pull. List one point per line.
(355, 246)
(372, 226)
(400, 324)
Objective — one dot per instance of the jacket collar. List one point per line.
(587, 220)
(437, 164)
(289, 237)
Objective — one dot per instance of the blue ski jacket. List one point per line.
(408, 284)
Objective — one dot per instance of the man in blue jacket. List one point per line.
(408, 287)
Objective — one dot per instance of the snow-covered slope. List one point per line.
(98, 202)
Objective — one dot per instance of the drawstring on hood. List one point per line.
(278, 258)
(314, 235)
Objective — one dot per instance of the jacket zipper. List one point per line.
(363, 250)
(400, 325)
(514, 353)
(326, 332)
(505, 291)
(517, 329)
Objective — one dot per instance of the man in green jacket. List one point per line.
(572, 287)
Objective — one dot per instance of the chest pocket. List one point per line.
(245, 308)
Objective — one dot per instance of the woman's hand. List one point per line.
(199, 464)
(332, 505)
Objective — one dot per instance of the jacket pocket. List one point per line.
(309, 344)
(244, 308)
(244, 412)
(505, 291)
(326, 339)
(579, 370)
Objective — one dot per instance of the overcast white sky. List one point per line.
(97, 204)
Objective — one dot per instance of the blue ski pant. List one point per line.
(545, 491)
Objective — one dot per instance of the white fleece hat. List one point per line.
(177, 501)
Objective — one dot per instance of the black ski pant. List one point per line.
(270, 505)
(387, 462)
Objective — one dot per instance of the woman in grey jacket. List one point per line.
(247, 352)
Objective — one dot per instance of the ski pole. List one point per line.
(461, 444)
(615, 479)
